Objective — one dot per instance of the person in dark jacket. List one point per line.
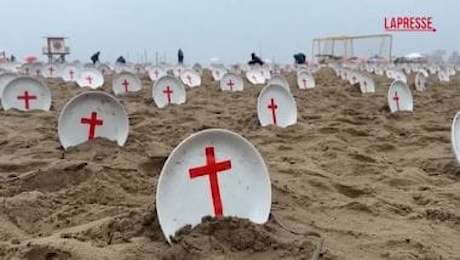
(180, 56)
(255, 60)
(300, 58)
(121, 60)
(95, 57)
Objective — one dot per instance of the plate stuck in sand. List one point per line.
(125, 82)
(156, 72)
(279, 80)
(90, 77)
(276, 106)
(91, 115)
(214, 173)
(26, 94)
(420, 80)
(305, 80)
(69, 73)
(190, 78)
(400, 97)
(231, 82)
(168, 90)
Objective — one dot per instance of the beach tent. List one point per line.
(414, 55)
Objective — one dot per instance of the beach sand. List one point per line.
(374, 185)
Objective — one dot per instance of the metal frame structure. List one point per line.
(318, 46)
(48, 51)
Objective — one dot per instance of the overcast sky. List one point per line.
(226, 29)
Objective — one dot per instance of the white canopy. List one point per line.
(414, 55)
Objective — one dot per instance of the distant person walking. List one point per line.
(180, 56)
(255, 60)
(95, 57)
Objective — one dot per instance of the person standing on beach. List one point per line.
(180, 56)
(95, 57)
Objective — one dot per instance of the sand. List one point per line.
(374, 185)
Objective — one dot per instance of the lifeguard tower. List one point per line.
(55, 46)
(342, 48)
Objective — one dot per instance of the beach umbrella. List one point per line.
(30, 59)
